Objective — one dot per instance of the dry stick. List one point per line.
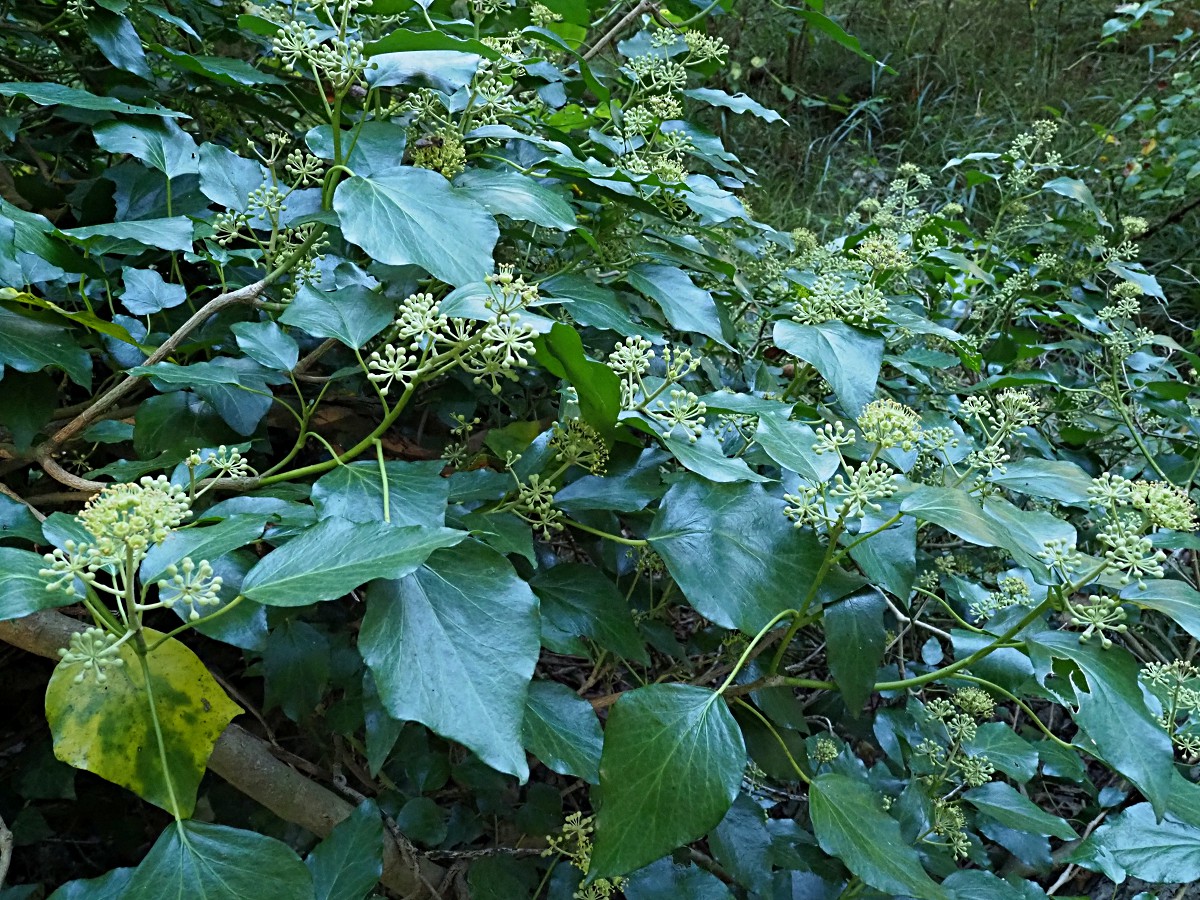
(644, 6)
(246, 762)
(247, 294)
(6, 848)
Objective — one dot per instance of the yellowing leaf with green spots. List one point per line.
(108, 729)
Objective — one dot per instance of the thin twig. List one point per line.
(644, 6)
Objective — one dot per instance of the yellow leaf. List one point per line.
(108, 729)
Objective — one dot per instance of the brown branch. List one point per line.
(6, 848)
(246, 762)
(644, 6)
(105, 401)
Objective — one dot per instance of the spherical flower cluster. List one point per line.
(684, 411)
(578, 444)
(1098, 615)
(126, 520)
(1012, 591)
(443, 153)
(890, 424)
(1165, 505)
(94, 651)
(867, 483)
(190, 584)
(830, 300)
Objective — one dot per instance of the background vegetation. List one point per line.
(479, 450)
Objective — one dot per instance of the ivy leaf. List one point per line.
(856, 637)
(579, 600)
(267, 344)
(236, 387)
(687, 307)
(629, 485)
(147, 292)
(201, 543)
(848, 358)
(1135, 843)
(108, 729)
(1056, 479)
(672, 765)
(851, 825)
(352, 314)
(1173, 598)
(118, 41)
(1012, 809)
(742, 844)
(599, 387)
(518, 197)
(228, 179)
(995, 523)
(22, 590)
(195, 859)
(18, 521)
(304, 570)
(133, 237)
(791, 443)
(417, 493)
(163, 146)
(736, 558)
(561, 730)
(296, 662)
(738, 103)
(1112, 712)
(1074, 189)
(348, 863)
(705, 457)
(666, 880)
(45, 93)
(226, 71)
(443, 70)
(413, 216)
(463, 626)
(109, 886)
(30, 346)
(1006, 750)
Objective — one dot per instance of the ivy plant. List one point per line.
(573, 533)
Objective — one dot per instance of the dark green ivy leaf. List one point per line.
(672, 765)
(847, 357)
(850, 824)
(413, 216)
(335, 556)
(29, 345)
(417, 493)
(561, 730)
(453, 646)
(1134, 843)
(855, 635)
(195, 859)
(348, 863)
(579, 600)
(22, 590)
(736, 558)
(1112, 712)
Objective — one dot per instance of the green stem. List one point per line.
(629, 542)
(355, 451)
(771, 728)
(800, 621)
(383, 478)
(202, 621)
(1134, 432)
(982, 682)
(742, 660)
(140, 647)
